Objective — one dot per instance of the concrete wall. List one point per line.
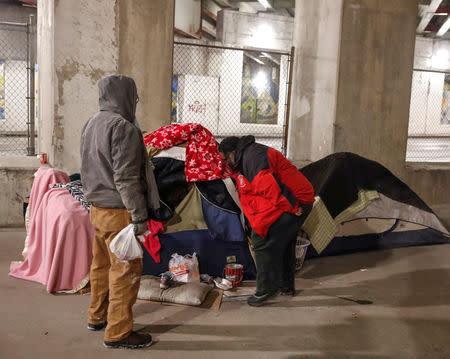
(15, 12)
(264, 31)
(15, 184)
(427, 54)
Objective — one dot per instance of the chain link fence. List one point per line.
(232, 92)
(17, 89)
(429, 117)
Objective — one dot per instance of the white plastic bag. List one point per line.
(184, 268)
(125, 245)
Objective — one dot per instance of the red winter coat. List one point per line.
(268, 184)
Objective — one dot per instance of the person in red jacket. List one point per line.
(276, 198)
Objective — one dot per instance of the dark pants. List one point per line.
(275, 254)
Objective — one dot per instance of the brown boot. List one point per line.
(133, 341)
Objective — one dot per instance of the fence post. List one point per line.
(31, 61)
(288, 103)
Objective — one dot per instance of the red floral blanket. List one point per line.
(203, 162)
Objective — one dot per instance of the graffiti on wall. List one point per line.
(197, 107)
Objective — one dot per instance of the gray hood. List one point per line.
(118, 94)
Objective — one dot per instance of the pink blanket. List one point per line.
(60, 238)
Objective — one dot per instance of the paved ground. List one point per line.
(409, 316)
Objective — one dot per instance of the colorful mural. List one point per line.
(260, 93)
(2, 90)
(445, 111)
(173, 106)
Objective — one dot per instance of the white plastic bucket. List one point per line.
(300, 251)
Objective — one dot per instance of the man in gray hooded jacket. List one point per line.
(119, 183)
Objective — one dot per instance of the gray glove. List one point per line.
(139, 228)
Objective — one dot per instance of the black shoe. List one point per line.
(96, 327)
(133, 341)
(258, 300)
(288, 292)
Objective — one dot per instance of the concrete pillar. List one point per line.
(316, 39)
(145, 53)
(81, 41)
(375, 74)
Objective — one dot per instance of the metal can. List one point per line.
(234, 270)
(43, 158)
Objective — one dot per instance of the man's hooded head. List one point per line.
(118, 94)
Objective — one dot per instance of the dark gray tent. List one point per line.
(361, 205)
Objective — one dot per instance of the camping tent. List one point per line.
(207, 220)
(361, 205)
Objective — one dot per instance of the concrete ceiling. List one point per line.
(279, 7)
(210, 8)
(434, 18)
(32, 3)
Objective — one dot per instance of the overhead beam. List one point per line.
(428, 14)
(276, 4)
(208, 28)
(247, 8)
(209, 14)
(291, 12)
(258, 61)
(266, 3)
(211, 6)
(32, 3)
(444, 28)
(284, 4)
(223, 3)
(270, 57)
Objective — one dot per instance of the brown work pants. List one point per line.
(114, 282)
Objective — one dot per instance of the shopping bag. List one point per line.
(184, 268)
(125, 245)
